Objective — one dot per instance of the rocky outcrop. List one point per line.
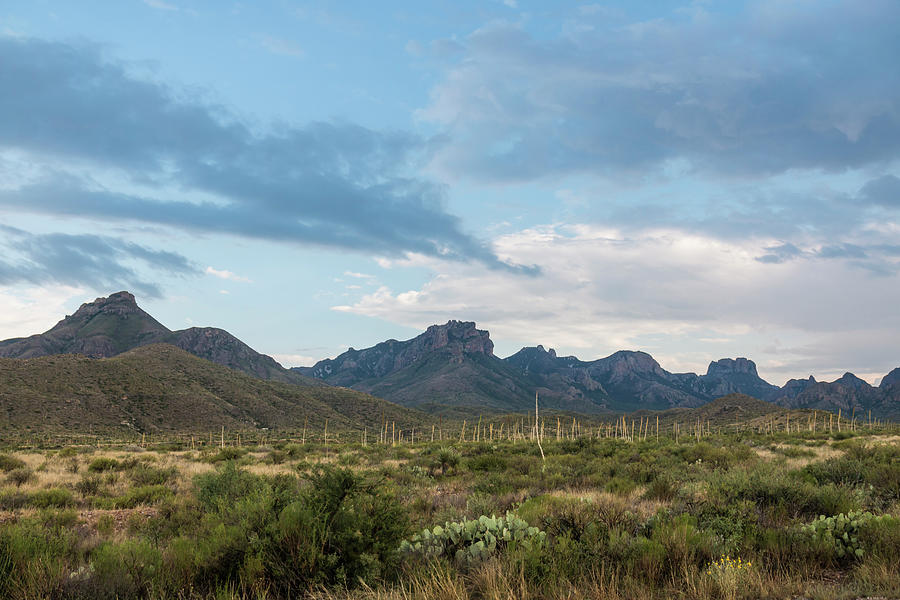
(891, 379)
(455, 339)
(99, 329)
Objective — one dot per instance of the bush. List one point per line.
(342, 530)
(148, 494)
(88, 485)
(9, 463)
(52, 498)
(99, 465)
(143, 475)
(20, 476)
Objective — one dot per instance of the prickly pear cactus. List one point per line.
(842, 532)
(472, 541)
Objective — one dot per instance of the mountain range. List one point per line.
(454, 365)
(449, 367)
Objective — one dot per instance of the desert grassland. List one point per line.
(726, 516)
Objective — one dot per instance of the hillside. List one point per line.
(110, 326)
(163, 388)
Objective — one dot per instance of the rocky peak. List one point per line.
(459, 336)
(728, 366)
(120, 303)
(890, 379)
(852, 381)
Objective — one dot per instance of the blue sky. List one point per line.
(693, 179)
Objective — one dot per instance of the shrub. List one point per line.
(20, 476)
(88, 485)
(148, 494)
(9, 463)
(146, 475)
(487, 463)
(222, 488)
(99, 465)
(342, 530)
(52, 498)
(227, 454)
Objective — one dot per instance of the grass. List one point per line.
(645, 519)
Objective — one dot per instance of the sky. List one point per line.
(696, 180)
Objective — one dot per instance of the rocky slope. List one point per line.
(110, 326)
(454, 365)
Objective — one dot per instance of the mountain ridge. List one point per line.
(112, 325)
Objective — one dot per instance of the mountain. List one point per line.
(449, 365)
(110, 326)
(453, 365)
(891, 379)
(98, 329)
(629, 380)
(160, 387)
(848, 394)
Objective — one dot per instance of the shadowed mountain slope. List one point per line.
(162, 388)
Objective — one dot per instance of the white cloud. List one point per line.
(358, 275)
(282, 47)
(687, 299)
(26, 311)
(160, 5)
(295, 360)
(226, 275)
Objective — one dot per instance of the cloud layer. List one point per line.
(737, 90)
(686, 299)
(157, 155)
(100, 262)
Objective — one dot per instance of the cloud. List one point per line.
(27, 309)
(358, 275)
(601, 290)
(100, 262)
(884, 190)
(757, 91)
(140, 151)
(779, 254)
(225, 274)
(282, 47)
(160, 5)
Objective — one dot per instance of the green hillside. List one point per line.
(161, 388)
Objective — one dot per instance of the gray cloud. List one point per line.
(778, 86)
(780, 254)
(333, 184)
(98, 261)
(884, 190)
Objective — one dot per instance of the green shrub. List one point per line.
(52, 498)
(20, 476)
(9, 463)
(143, 475)
(487, 463)
(225, 486)
(342, 530)
(147, 494)
(99, 465)
(89, 485)
(227, 454)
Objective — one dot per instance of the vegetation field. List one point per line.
(757, 513)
